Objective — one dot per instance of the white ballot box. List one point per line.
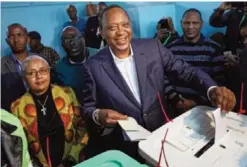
(191, 142)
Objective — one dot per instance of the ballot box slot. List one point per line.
(204, 148)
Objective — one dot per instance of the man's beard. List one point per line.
(18, 50)
(77, 58)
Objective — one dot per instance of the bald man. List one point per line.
(12, 84)
(69, 69)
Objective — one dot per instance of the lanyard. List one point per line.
(168, 38)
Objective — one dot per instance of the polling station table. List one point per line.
(190, 141)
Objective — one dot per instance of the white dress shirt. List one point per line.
(127, 68)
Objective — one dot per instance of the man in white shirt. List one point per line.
(125, 78)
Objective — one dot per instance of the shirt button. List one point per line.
(145, 115)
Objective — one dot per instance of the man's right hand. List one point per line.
(108, 116)
(161, 33)
(185, 104)
(225, 6)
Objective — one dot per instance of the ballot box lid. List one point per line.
(111, 158)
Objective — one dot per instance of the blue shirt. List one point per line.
(18, 67)
(80, 25)
(17, 64)
(68, 74)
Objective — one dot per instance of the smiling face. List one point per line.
(37, 76)
(117, 31)
(192, 24)
(17, 39)
(72, 12)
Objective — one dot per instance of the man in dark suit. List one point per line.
(12, 85)
(125, 78)
(93, 38)
(243, 76)
(243, 65)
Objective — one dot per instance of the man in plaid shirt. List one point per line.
(37, 47)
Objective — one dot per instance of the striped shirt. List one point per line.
(204, 54)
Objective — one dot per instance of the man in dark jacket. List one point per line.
(92, 34)
(230, 14)
(124, 80)
(12, 85)
(243, 67)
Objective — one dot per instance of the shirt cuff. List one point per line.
(107, 130)
(96, 116)
(209, 89)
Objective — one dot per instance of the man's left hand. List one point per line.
(223, 98)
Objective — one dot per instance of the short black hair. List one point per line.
(71, 6)
(16, 25)
(106, 10)
(193, 10)
(34, 35)
(102, 3)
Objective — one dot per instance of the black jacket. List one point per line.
(231, 20)
(91, 38)
(243, 75)
(12, 86)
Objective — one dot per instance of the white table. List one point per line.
(192, 130)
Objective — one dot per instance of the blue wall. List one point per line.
(48, 17)
(150, 15)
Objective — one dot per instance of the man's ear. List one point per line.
(28, 40)
(7, 41)
(62, 44)
(101, 33)
(202, 23)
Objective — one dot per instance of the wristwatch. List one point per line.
(96, 116)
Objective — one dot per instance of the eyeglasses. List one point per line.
(70, 39)
(33, 73)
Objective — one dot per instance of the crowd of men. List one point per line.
(128, 77)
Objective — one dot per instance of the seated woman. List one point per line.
(50, 116)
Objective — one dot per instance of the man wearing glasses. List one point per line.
(69, 69)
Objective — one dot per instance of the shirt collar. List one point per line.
(16, 60)
(40, 48)
(115, 58)
(72, 62)
(78, 19)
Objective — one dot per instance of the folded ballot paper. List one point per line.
(220, 124)
(132, 131)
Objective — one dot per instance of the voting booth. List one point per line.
(200, 137)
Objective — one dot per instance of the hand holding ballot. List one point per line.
(108, 116)
(223, 98)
